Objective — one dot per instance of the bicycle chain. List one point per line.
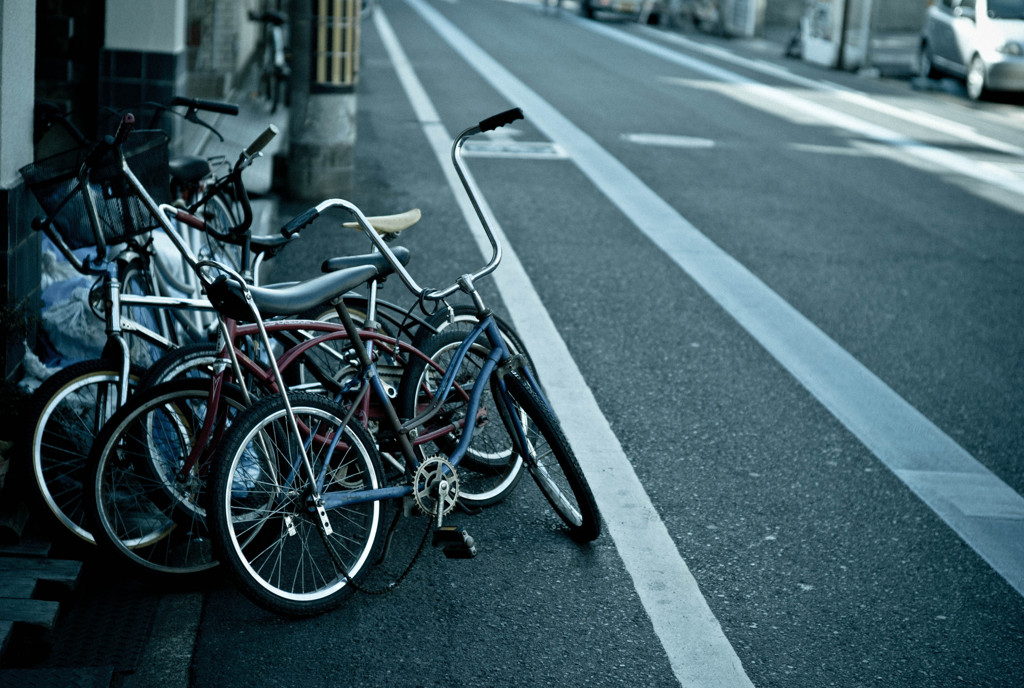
(356, 586)
(443, 507)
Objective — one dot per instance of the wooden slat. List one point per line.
(26, 547)
(17, 586)
(59, 570)
(35, 612)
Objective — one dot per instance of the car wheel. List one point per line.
(976, 79)
(925, 67)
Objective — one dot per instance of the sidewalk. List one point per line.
(79, 624)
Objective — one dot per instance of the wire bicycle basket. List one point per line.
(120, 213)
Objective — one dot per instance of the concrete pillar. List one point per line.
(322, 118)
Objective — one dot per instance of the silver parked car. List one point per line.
(980, 41)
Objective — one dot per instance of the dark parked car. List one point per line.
(979, 41)
(588, 8)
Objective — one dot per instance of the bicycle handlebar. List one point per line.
(238, 233)
(307, 217)
(300, 221)
(261, 142)
(501, 119)
(109, 143)
(207, 105)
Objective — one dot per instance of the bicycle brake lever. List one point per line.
(193, 116)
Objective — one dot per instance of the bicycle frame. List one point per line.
(486, 325)
(499, 354)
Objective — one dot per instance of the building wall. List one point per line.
(785, 13)
(886, 15)
(899, 15)
(19, 253)
(93, 53)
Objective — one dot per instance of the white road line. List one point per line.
(948, 479)
(987, 174)
(692, 638)
(924, 119)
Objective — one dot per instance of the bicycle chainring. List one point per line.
(426, 485)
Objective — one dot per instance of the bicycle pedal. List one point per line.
(455, 542)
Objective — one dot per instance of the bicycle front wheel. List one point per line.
(265, 525)
(219, 214)
(549, 458)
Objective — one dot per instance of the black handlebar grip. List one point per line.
(300, 221)
(261, 142)
(124, 128)
(208, 105)
(109, 143)
(501, 119)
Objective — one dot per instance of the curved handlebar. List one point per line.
(207, 105)
(465, 281)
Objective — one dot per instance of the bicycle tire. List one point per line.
(69, 410)
(332, 364)
(136, 280)
(219, 214)
(466, 315)
(491, 468)
(191, 360)
(561, 481)
(270, 541)
(144, 513)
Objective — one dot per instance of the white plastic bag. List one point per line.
(35, 371)
(74, 330)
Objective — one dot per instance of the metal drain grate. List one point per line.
(107, 623)
(88, 677)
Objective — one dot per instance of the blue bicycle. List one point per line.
(304, 492)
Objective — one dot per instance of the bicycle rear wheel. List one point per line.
(69, 410)
(264, 524)
(491, 468)
(146, 509)
(549, 458)
(189, 361)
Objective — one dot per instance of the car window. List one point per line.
(1006, 9)
(967, 4)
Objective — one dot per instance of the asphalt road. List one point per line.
(780, 311)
